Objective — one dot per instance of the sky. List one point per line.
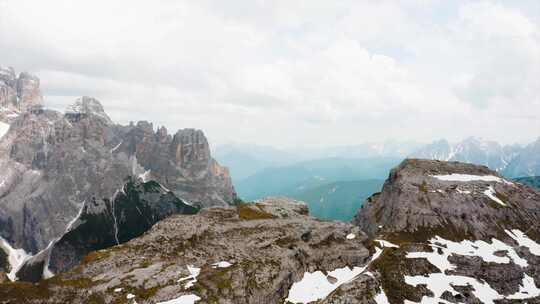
(290, 73)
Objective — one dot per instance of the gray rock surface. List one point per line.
(266, 256)
(413, 199)
(52, 162)
(18, 93)
(105, 223)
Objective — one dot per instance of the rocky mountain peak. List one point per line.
(86, 106)
(191, 149)
(455, 200)
(18, 93)
(52, 162)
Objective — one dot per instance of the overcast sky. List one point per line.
(290, 73)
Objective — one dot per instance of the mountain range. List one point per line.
(438, 232)
(96, 212)
(53, 166)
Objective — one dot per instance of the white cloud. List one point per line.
(288, 73)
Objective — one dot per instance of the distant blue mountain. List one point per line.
(304, 175)
(337, 200)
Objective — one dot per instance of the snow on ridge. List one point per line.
(4, 128)
(457, 177)
(16, 258)
(490, 192)
(384, 243)
(146, 176)
(527, 289)
(185, 299)
(523, 240)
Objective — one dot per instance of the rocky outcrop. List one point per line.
(221, 255)
(181, 162)
(451, 199)
(462, 234)
(52, 163)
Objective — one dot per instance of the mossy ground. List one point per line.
(252, 212)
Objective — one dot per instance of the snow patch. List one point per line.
(192, 277)
(463, 191)
(523, 240)
(130, 296)
(185, 299)
(490, 192)
(16, 258)
(4, 128)
(527, 289)
(222, 264)
(350, 236)
(438, 283)
(381, 298)
(146, 176)
(455, 177)
(117, 289)
(384, 243)
(316, 286)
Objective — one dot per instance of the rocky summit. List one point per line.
(439, 232)
(53, 165)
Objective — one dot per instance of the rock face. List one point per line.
(250, 254)
(106, 223)
(460, 198)
(52, 163)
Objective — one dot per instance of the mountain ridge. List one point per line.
(52, 162)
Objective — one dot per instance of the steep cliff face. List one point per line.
(103, 223)
(51, 163)
(180, 162)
